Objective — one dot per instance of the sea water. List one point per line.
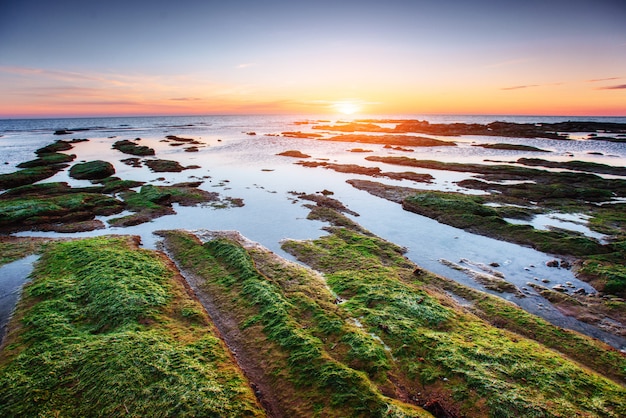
(239, 159)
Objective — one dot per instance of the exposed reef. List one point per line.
(164, 166)
(505, 129)
(48, 159)
(154, 201)
(29, 175)
(368, 171)
(322, 200)
(512, 147)
(106, 328)
(92, 170)
(48, 206)
(183, 140)
(294, 153)
(299, 134)
(49, 162)
(575, 165)
(545, 186)
(130, 147)
(402, 140)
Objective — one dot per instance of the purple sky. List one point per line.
(161, 57)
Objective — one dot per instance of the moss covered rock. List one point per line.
(130, 147)
(29, 176)
(92, 170)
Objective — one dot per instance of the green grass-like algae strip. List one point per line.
(319, 364)
(467, 365)
(104, 330)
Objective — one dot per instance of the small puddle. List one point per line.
(13, 276)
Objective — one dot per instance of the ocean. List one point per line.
(238, 158)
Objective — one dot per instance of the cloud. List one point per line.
(186, 99)
(595, 80)
(526, 86)
(108, 103)
(66, 76)
(615, 87)
(246, 65)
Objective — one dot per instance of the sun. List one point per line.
(347, 107)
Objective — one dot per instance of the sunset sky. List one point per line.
(537, 57)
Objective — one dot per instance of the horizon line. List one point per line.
(352, 116)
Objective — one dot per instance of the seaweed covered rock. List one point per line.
(48, 159)
(164, 166)
(92, 170)
(59, 146)
(26, 211)
(29, 176)
(130, 147)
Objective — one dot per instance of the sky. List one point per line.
(76, 58)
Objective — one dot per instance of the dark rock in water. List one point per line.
(162, 166)
(294, 153)
(92, 170)
(302, 135)
(565, 264)
(72, 227)
(494, 264)
(552, 263)
(328, 202)
(580, 291)
(133, 162)
(179, 139)
(559, 288)
(513, 147)
(62, 132)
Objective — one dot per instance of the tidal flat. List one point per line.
(409, 279)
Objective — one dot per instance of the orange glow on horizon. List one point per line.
(487, 100)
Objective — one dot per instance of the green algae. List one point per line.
(575, 165)
(103, 334)
(116, 185)
(457, 354)
(92, 170)
(130, 147)
(155, 201)
(48, 159)
(29, 176)
(318, 363)
(14, 248)
(163, 166)
(566, 192)
(469, 213)
(21, 212)
(506, 315)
